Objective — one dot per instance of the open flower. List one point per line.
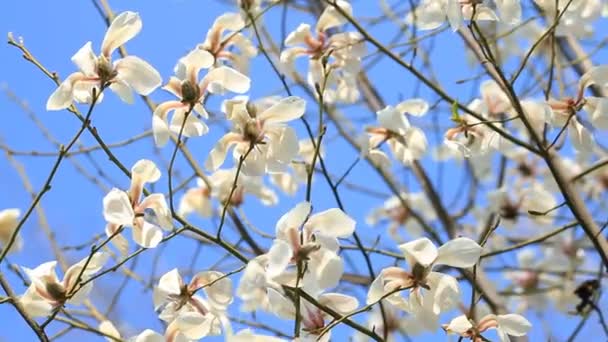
(336, 76)
(407, 143)
(289, 182)
(191, 93)
(273, 144)
(505, 325)
(47, 293)
(195, 316)
(8, 223)
(422, 256)
(222, 45)
(172, 333)
(316, 243)
(122, 76)
(127, 209)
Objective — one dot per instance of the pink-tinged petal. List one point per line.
(459, 325)
(117, 208)
(279, 256)
(225, 78)
(144, 171)
(146, 234)
(331, 17)
(332, 222)
(93, 265)
(35, 305)
(61, 98)
(460, 252)
(86, 60)
(194, 200)
(118, 240)
(8, 223)
(193, 127)
(293, 219)
(286, 109)
(422, 251)
(123, 91)
(189, 66)
(138, 74)
(218, 154)
(122, 29)
(229, 21)
(174, 86)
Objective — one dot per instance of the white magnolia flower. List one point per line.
(422, 256)
(8, 223)
(47, 293)
(316, 244)
(406, 142)
(289, 182)
(471, 137)
(578, 18)
(124, 75)
(224, 36)
(255, 283)
(194, 316)
(247, 335)
(127, 209)
(191, 93)
(172, 334)
(400, 216)
(505, 325)
(272, 144)
(334, 61)
(533, 199)
(313, 318)
(431, 14)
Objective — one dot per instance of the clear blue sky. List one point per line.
(53, 31)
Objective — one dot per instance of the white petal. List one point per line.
(580, 137)
(298, 36)
(147, 235)
(416, 143)
(331, 17)
(445, 291)
(329, 270)
(117, 208)
(459, 325)
(108, 328)
(123, 91)
(286, 109)
(169, 284)
(160, 129)
(61, 98)
(333, 222)
(189, 66)
(193, 127)
(422, 251)
(294, 218)
(510, 11)
(149, 336)
(414, 107)
(596, 75)
(283, 145)
(338, 302)
(224, 78)
(597, 107)
(34, 305)
(217, 155)
(460, 252)
(86, 60)
(124, 27)
(219, 293)
(393, 120)
(513, 324)
(454, 14)
(280, 305)
(279, 256)
(140, 75)
(376, 290)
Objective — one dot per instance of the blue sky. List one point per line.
(53, 31)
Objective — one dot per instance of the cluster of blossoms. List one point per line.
(305, 256)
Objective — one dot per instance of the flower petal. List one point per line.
(217, 155)
(86, 60)
(513, 324)
(294, 218)
(117, 208)
(225, 78)
(422, 251)
(147, 235)
(333, 222)
(286, 109)
(122, 29)
(279, 256)
(459, 252)
(138, 74)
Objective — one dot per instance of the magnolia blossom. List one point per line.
(313, 318)
(505, 325)
(191, 93)
(577, 18)
(194, 316)
(261, 135)
(431, 14)
(406, 142)
(471, 137)
(127, 209)
(255, 283)
(8, 223)
(172, 334)
(316, 244)
(399, 215)
(422, 256)
(289, 182)
(221, 45)
(122, 76)
(336, 78)
(46, 292)
(534, 202)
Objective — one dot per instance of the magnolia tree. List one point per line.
(316, 170)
